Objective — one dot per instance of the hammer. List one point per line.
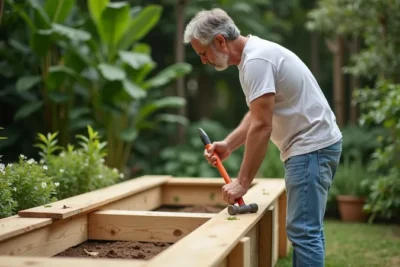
(232, 209)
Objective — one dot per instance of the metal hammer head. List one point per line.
(250, 208)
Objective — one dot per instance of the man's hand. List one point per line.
(221, 148)
(233, 191)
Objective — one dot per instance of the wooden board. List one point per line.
(7, 261)
(90, 201)
(49, 240)
(14, 225)
(144, 225)
(211, 243)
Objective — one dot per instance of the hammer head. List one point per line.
(250, 208)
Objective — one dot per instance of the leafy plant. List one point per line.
(188, 160)
(7, 203)
(381, 107)
(272, 166)
(77, 170)
(350, 179)
(30, 182)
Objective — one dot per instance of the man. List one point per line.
(287, 106)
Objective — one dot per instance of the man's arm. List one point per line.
(238, 136)
(258, 136)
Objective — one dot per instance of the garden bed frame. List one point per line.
(124, 212)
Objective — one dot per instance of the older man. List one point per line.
(287, 106)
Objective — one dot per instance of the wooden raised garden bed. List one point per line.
(150, 221)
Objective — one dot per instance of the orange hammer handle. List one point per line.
(207, 143)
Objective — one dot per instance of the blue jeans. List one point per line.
(308, 178)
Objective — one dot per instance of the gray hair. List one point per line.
(209, 23)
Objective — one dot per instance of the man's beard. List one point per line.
(221, 60)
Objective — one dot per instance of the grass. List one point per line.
(354, 245)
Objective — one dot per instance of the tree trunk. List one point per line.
(337, 48)
(355, 82)
(180, 57)
(314, 55)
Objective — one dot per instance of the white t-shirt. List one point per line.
(302, 120)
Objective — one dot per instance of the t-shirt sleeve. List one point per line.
(259, 78)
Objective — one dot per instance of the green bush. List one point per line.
(272, 166)
(77, 170)
(7, 203)
(31, 184)
(188, 160)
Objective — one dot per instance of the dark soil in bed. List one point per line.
(131, 249)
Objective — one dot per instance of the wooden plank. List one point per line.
(240, 255)
(147, 200)
(192, 195)
(265, 239)
(191, 181)
(275, 231)
(144, 225)
(12, 261)
(194, 191)
(90, 201)
(284, 244)
(48, 240)
(14, 225)
(253, 235)
(211, 243)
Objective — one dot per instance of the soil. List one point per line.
(131, 249)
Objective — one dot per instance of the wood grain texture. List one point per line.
(15, 225)
(211, 243)
(10, 261)
(145, 226)
(49, 240)
(90, 201)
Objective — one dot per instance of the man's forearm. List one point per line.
(238, 137)
(256, 147)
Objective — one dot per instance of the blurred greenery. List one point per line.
(112, 65)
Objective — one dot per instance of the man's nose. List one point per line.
(203, 60)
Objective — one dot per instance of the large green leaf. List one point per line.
(112, 73)
(58, 75)
(24, 16)
(135, 60)
(25, 83)
(129, 134)
(59, 10)
(172, 118)
(41, 18)
(141, 25)
(133, 89)
(27, 110)
(41, 42)
(113, 23)
(96, 7)
(71, 33)
(169, 73)
(166, 102)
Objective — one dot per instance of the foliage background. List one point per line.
(62, 71)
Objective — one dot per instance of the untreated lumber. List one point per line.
(15, 225)
(240, 255)
(92, 200)
(211, 243)
(10, 261)
(49, 240)
(191, 191)
(144, 226)
(284, 244)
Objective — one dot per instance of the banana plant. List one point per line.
(118, 71)
(48, 34)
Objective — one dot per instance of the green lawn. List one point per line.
(353, 245)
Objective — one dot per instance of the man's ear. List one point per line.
(220, 42)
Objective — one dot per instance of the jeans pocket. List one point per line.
(296, 169)
(328, 161)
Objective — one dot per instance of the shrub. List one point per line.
(77, 170)
(7, 203)
(30, 182)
